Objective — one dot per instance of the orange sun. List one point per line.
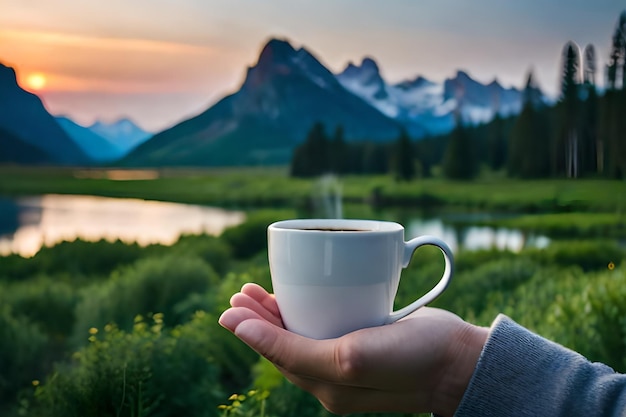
(36, 81)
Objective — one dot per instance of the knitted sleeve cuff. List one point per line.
(522, 374)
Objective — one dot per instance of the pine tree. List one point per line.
(460, 161)
(311, 158)
(591, 155)
(614, 128)
(339, 159)
(404, 159)
(374, 158)
(566, 143)
(496, 143)
(529, 151)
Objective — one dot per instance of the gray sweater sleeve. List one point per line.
(522, 374)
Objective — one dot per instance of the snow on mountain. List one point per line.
(429, 104)
(123, 134)
(282, 96)
(366, 82)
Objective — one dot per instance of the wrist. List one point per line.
(461, 358)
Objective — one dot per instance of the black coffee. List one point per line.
(330, 229)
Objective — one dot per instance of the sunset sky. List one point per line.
(162, 61)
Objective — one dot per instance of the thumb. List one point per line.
(256, 332)
(294, 353)
(262, 337)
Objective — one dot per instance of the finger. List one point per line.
(234, 316)
(289, 351)
(244, 300)
(263, 297)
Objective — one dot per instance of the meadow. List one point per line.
(263, 187)
(114, 329)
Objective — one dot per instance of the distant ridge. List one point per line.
(24, 117)
(95, 146)
(124, 134)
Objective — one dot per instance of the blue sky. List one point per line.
(160, 61)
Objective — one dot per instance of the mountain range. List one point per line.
(104, 142)
(28, 133)
(281, 97)
(124, 134)
(428, 104)
(289, 89)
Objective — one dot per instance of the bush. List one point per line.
(250, 237)
(150, 285)
(589, 317)
(76, 260)
(583, 311)
(212, 250)
(587, 254)
(472, 291)
(22, 345)
(148, 371)
(44, 301)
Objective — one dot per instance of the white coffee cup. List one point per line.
(334, 276)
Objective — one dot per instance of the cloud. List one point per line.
(103, 43)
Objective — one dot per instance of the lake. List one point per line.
(28, 223)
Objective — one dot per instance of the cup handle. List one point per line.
(409, 249)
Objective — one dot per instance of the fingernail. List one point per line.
(228, 321)
(250, 332)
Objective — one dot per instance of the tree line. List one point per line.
(582, 134)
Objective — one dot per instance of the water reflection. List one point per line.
(473, 237)
(29, 223)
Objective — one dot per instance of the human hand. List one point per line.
(421, 363)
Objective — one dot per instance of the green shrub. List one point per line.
(250, 237)
(22, 345)
(604, 301)
(587, 254)
(148, 286)
(45, 301)
(148, 371)
(76, 260)
(470, 292)
(589, 317)
(581, 310)
(214, 251)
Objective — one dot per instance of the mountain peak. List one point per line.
(418, 82)
(367, 70)
(462, 75)
(276, 50)
(279, 59)
(368, 64)
(122, 121)
(367, 74)
(7, 73)
(9, 84)
(495, 84)
(24, 116)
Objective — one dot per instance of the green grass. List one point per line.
(568, 224)
(273, 187)
(512, 195)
